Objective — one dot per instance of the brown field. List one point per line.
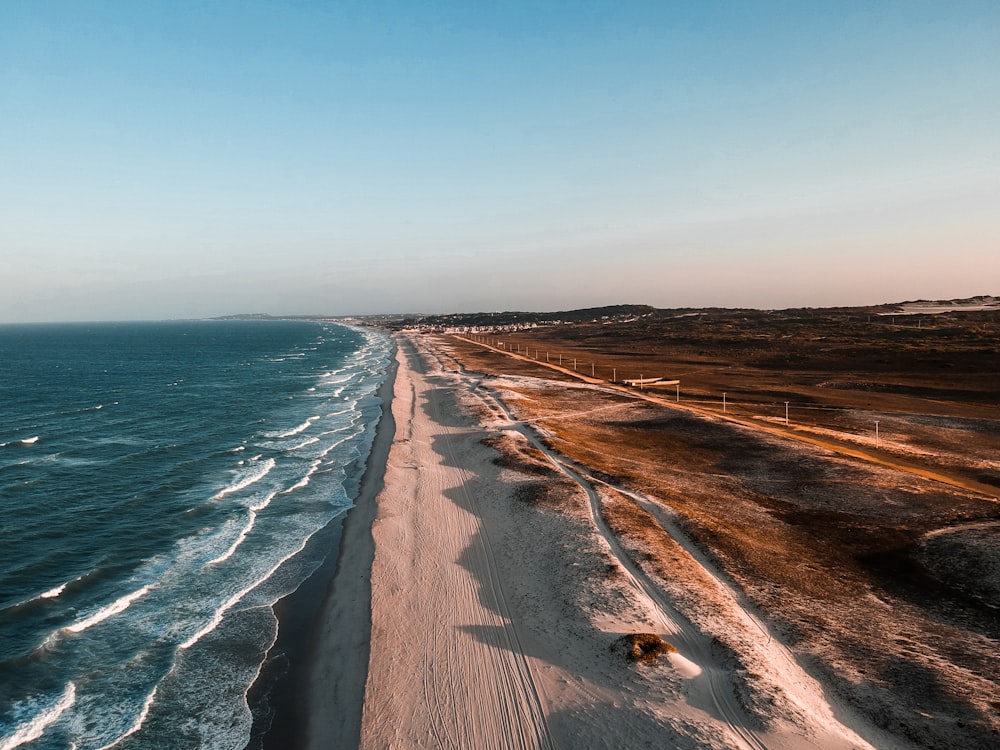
(878, 564)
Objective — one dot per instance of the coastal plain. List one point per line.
(819, 584)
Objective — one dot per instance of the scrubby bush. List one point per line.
(644, 647)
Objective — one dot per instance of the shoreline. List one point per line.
(286, 680)
(331, 691)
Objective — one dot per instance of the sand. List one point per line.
(479, 599)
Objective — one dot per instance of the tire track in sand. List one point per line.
(465, 680)
(711, 686)
(710, 681)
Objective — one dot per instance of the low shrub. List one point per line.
(643, 647)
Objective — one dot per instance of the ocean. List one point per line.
(159, 483)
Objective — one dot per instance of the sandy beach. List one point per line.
(481, 597)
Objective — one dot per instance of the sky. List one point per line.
(192, 159)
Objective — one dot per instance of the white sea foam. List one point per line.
(116, 607)
(30, 441)
(50, 594)
(256, 507)
(33, 729)
(217, 616)
(238, 448)
(139, 721)
(305, 480)
(255, 474)
(53, 593)
(337, 444)
(219, 613)
(307, 441)
(296, 430)
(247, 528)
(251, 520)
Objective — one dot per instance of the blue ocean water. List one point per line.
(158, 485)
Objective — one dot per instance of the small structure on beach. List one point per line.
(641, 381)
(658, 383)
(646, 382)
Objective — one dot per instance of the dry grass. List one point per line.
(478, 358)
(556, 492)
(827, 548)
(517, 455)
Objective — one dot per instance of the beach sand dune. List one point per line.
(497, 598)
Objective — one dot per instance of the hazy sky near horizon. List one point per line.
(189, 159)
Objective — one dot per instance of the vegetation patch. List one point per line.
(643, 647)
(519, 456)
(885, 580)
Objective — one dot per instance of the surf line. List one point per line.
(258, 473)
(119, 605)
(35, 728)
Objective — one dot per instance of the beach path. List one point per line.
(447, 669)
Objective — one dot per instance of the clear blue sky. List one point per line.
(187, 159)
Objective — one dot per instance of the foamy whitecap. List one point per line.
(336, 444)
(219, 613)
(53, 593)
(116, 607)
(296, 430)
(35, 727)
(303, 444)
(30, 441)
(256, 473)
(304, 481)
(137, 724)
(217, 616)
(260, 505)
(247, 528)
